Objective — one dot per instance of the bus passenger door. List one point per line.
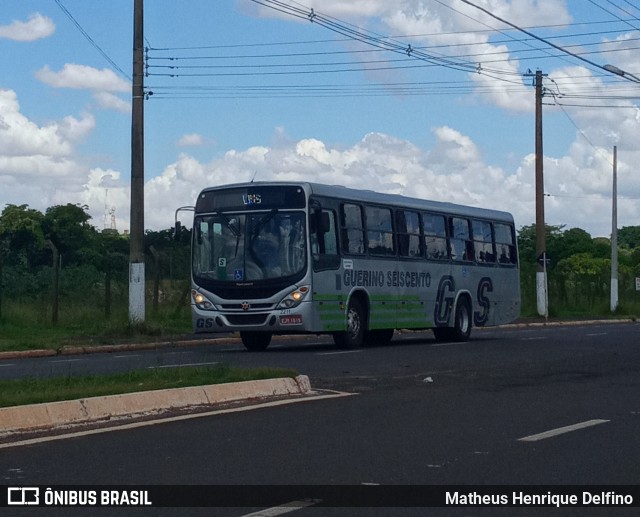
(328, 300)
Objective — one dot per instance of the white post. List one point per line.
(542, 289)
(136, 292)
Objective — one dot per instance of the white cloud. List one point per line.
(105, 194)
(22, 139)
(102, 83)
(36, 27)
(453, 170)
(38, 164)
(522, 13)
(110, 101)
(377, 162)
(83, 77)
(74, 130)
(451, 29)
(190, 140)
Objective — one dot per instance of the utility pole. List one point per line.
(614, 234)
(541, 247)
(136, 244)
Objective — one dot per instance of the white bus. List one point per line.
(287, 257)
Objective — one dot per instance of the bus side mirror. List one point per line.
(177, 231)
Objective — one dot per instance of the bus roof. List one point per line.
(379, 198)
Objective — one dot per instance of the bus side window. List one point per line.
(435, 236)
(460, 243)
(324, 243)
(352, 229)
(505, 244)
(409, 239)
(379, 231)
(483, 242)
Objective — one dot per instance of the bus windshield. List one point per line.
(249, 246)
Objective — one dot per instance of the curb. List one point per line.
(569, 323)
(107, 349)
(88, 410)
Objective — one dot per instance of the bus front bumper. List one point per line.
(296, 320)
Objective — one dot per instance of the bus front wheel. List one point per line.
(353, 336)
(255, 341)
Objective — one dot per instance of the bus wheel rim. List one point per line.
(353, 323)
(463, 320)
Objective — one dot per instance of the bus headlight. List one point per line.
(294, 298)
(201, 301)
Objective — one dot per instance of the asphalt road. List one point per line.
(557, 405)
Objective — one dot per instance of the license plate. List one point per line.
(291, 319)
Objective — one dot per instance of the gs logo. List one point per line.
(204, 323)
(446, 294)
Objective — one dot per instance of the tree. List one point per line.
(588, 276)
(68, 233)
(21, 235)
(602, 247)
(527, 243)
(67, 227)
(20, 238)
(629, 236)
(573, 241)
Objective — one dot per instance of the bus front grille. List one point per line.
(238, 306)
(247, 319)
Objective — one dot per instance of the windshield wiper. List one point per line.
(262, 222)
(235, 231)
(229, 223)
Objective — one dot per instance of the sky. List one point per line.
(426, 98)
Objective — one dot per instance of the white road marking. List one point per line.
(285, 508)
(597, 334)
(126, 356)
(538, 338)
(5, 365)
(65, 361)
(180, 365)
(342, 352)
(562, 430)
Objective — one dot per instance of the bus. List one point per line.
(274, 258)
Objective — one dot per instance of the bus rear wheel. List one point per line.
(255, 341)
(461, 329)
(353, 336)
(462, 323)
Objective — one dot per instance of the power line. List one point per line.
(375, 40)
(420, 35)
(174, 61)
(177, 67)
(614, 14)
(557, 47)
(631, 5)
(199, 62)
(91, 40)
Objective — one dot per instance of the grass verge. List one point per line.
(24, 331)
(33, 391)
